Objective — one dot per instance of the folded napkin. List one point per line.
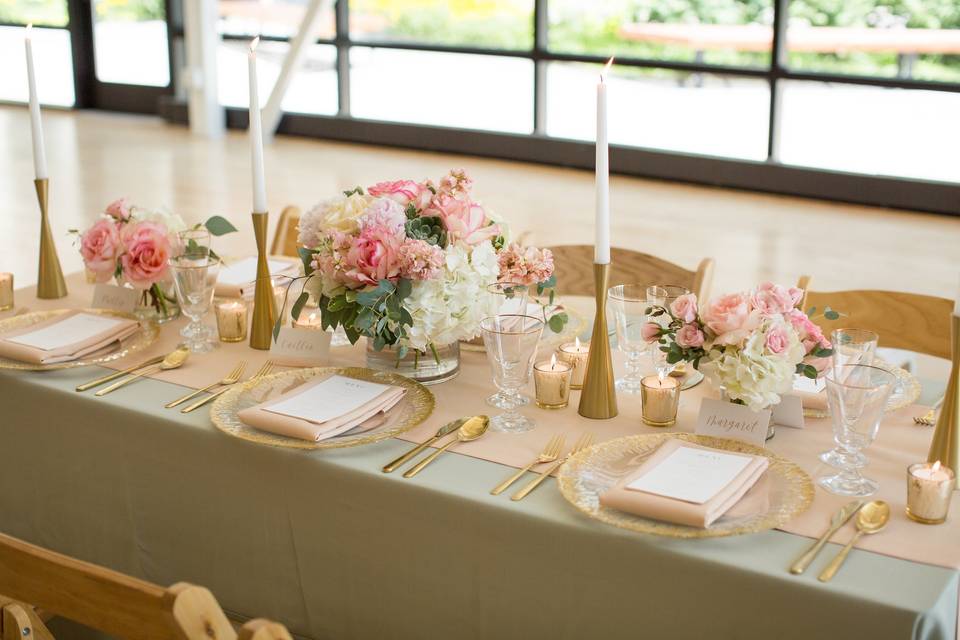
(698, 509)
(65, 337)
(325, 408)
(237, 280)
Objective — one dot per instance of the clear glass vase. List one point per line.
(157, 304)
(423, 366)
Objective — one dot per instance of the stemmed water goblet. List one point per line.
(195, 279)
(850, 347)
(857, 395)
(511, 345)
(506, 298)
(628, 303)
(663, 295)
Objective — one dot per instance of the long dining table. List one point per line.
(326, 543)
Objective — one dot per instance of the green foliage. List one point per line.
(219, 226)
(429, 229)
(376, 313)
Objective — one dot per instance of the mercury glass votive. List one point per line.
(660, 398)
(552, 382)
(308, 321)
(6, 291)
(231, 320)
(929, 490)
(575, 354)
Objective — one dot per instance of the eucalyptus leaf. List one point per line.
(219, 226)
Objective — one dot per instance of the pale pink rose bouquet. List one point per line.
(404, 263)
(751, 343)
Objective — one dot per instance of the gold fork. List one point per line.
(585, 441)
(929, 418)
(230, 378)
(264, 370)
(549, 454)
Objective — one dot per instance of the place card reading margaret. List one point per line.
(110, 296)
(723, 419)
(691, 474)
(334, 397)
(72, 330)
(296, 347)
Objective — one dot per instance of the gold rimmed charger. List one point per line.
(415, 407)
(789, 490)
(139, 341)
(905, 393)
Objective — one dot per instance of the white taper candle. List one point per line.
(36, 127)
(601, 250)
(256, 136)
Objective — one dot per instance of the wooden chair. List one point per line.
(34, 579)
(285, 238)
(573, 265)
(908, 321)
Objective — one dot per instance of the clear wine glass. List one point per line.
(628, 304)
(850, 346)
(195, 280)
(857, 395)
(194, 242)
(511, 345)
(663, 295)
(506, 298)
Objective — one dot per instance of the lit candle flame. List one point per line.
(606, 69)
(576, 343)
(553, 362)
(253, 45)
(312, 317)
(935, 466)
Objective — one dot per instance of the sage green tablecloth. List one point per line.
(333, 548)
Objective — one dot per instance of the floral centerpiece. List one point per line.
(132, 245)
(406, 264)
(749, 344)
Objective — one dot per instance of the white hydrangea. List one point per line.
(341, 213)
(172, 221)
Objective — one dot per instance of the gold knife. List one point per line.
(444, 430)
(118, 374)
(839, 519)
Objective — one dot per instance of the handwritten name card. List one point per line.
(727, 420)
(110, 296)
(300, 347)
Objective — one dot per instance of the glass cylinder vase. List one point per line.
(426, 367)
(157, 304)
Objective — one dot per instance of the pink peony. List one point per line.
(373, 256)
(525, 265)
(464, 220)
(119, 210)
(386, 214)
(100, 247)
(730, 318)
(147, 251)
(771, 299)
(650, 331)
(403, 192)
(777, 340)
(420, 260)
(684, 308)
(690, 335)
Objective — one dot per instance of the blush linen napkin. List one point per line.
(668, 509)
(65, 337)
(237, 280)
(355, 418)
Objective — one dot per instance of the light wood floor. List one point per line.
(95, 157)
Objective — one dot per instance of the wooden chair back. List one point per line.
(33, 578)
(573, 265)
(908, 321)
(285, 237)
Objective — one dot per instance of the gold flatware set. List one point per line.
(230, 378)
(585, 441)
(172, 360)
(463, 430)
(930, 417)
(266, 369)
(871, 517)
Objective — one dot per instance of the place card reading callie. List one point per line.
(723, 419)
(298, 347)
(110, 296)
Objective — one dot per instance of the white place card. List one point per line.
(789, 412)
(332, 398)
(298, 347)
(72, 330)
(110, 296)
(691, 474)
(723, 419)
(244, 271)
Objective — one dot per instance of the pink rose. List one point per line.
(403, 192)
(650, 331)
(690, 335)
(796, 295)
(464, 220)
(778, 340)
(811, 336)
(374, 256)
(119, 210)
(100, 247)
(730, 318)
(148, 249)
(684, 308)
(771, 299)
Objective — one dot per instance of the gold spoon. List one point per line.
(468, 431)
(173, 360)
(442, 431)
(871, 518)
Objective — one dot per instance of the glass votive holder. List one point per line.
(660, 398)
(552, 382)
(929, 491)
(6, 291)
(308, 321)
(575, 354)
(231, 320)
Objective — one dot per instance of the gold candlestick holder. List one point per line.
(946, 439)
(50, 283)
(598, 399)
(264, 303)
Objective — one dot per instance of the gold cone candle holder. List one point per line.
(50, 283)
(946, 439)
(264, 302)
(598, 399)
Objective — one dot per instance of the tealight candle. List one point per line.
(232, 321)
(552, 382)
(310, 321)
(6, 291)
(575, 354)
(929, 490)
(660, 398)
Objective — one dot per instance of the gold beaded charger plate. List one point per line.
(788, 489)
(905, 392)
(138, 341)
(415, 407)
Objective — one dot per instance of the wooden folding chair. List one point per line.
(285, 237)
(34, 579)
